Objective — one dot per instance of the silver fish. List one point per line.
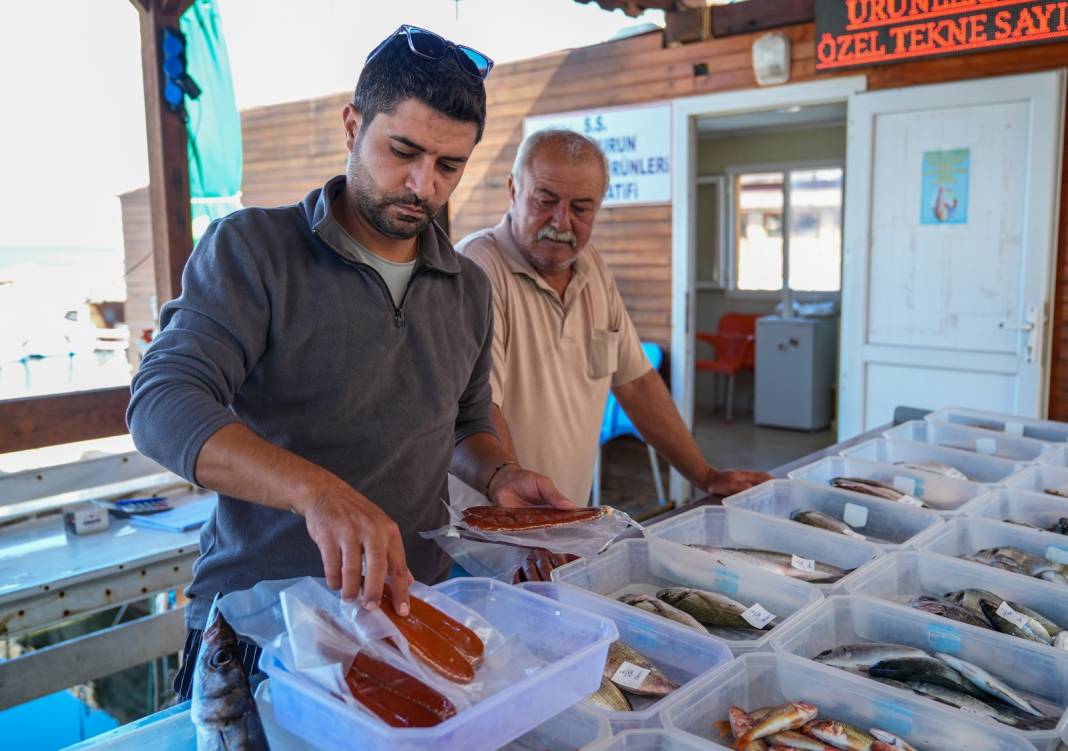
(1033, 565)
(867, 487)
(962, 700)
(947, 609)
(655, 683)
(988, 683)
(1060, 641)
(775, 562)
(1006, 626)
(926, 669)
(710, 608)
(223, 712)
(858, 658)
(825, 521)
(1037, 623)
(937, 468)
(650, 604)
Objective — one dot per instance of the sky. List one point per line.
(72, 130)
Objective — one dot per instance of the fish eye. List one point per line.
(221, 658)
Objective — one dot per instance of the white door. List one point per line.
(950, 229)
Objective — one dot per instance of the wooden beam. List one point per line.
(757, 15)
(47, 421)
(168, 167)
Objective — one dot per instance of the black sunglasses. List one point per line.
(433, 47)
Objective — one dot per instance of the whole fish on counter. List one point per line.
(223, 711)
(825, 521)
(797, 726)
(937, 468)
(979, 607)
(650, 604)
(709, 608)
(946, 609)
(858, 658)
(1059, 492)
(867, 487)
(775, 562)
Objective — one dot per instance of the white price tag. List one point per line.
(757, 617)
(908, 500)
(855, 516)
(1057, 555)
(986, 446)
(1014, 428)
(629, 675)
(906, 485)
(1017, 619)
(802, 564)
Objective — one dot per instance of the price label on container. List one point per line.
(986, 446)
(1057, 555)
(757, 617)
(629, 675)
(906, 485)
(855, 516)
(1017, 619)
(1014, 428)
(908, 500)
(802, 564)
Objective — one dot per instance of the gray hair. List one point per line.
(572, 144)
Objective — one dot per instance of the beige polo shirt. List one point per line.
(554, 359)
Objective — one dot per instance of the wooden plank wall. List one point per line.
(293, 147)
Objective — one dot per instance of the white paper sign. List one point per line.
(986, 446)
(906, 485)
(802, 564)
(636, 141)
(1017, 619)
(855, 516)
(757, 617)
(908, 500)
(629, 675)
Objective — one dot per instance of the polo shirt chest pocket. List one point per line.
(603, 353)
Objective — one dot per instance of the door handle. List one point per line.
(1028, 326)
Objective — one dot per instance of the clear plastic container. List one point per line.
(167, 730)
(966, 535)
(976, 440)
(1038, 509)
(1029, 427)
(575, 728)
(889, 524)
(1038, 674)
(571, 643)
(655, 740)
(899, 577)
(976, 467)
(943, 494)
(680, 653)
(738, 528)
(649, 565)
(1058, 457)
(763, 679)
(1038, 478)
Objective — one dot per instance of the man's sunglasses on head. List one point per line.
(434, 47)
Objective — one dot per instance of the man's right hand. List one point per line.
(357, 539)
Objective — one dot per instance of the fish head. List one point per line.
(220, 686)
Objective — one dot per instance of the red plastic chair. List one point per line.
(734, 348)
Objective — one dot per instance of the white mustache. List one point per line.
(560, 237)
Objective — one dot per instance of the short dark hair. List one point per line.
(396, 74)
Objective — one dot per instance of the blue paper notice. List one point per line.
(944, 194)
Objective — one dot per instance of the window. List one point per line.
(788, 229)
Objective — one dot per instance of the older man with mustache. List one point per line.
(562, 336)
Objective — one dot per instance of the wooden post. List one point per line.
(168, 167)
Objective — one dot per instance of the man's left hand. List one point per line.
(514, 487)
(730, 481)
(539, 564)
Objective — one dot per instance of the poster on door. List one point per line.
(944, 195)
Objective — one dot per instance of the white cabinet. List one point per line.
(795, 370)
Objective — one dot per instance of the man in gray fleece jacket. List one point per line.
(327, 363)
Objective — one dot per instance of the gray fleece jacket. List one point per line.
(277, 329)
